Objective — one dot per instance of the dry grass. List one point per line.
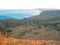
(13, 41)
(33, 32)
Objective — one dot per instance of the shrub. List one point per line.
(39, 26)
(36, 33)
(48, 29)
(57, 29)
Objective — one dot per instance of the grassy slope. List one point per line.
(28, 29)
(33, 32)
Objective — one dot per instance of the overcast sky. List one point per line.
(29, 4)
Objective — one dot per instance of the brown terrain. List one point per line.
(33, 32)
(43, 29)
(14, 41)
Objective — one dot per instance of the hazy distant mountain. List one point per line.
(51, 12)
(47, 15)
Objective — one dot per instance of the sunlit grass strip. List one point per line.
(13, 41)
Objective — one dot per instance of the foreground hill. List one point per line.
(35, 33)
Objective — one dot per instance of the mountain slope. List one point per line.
(12, 22)
(35, 33)
(45, 26)
(47, 15)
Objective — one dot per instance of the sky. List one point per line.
(29, 4)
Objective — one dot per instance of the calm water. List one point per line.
(19, 14)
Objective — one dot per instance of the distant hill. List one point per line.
(47, 15)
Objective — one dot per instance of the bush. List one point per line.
(50, 26)
(48, 29)
(57, 29)
(35, 33)
(45, 25)
(2, 29)
(39, 26)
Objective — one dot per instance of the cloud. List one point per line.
(29, 4)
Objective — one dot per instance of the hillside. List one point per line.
(45, 26)
(10, 22)
(47, 15)
(35, 33)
